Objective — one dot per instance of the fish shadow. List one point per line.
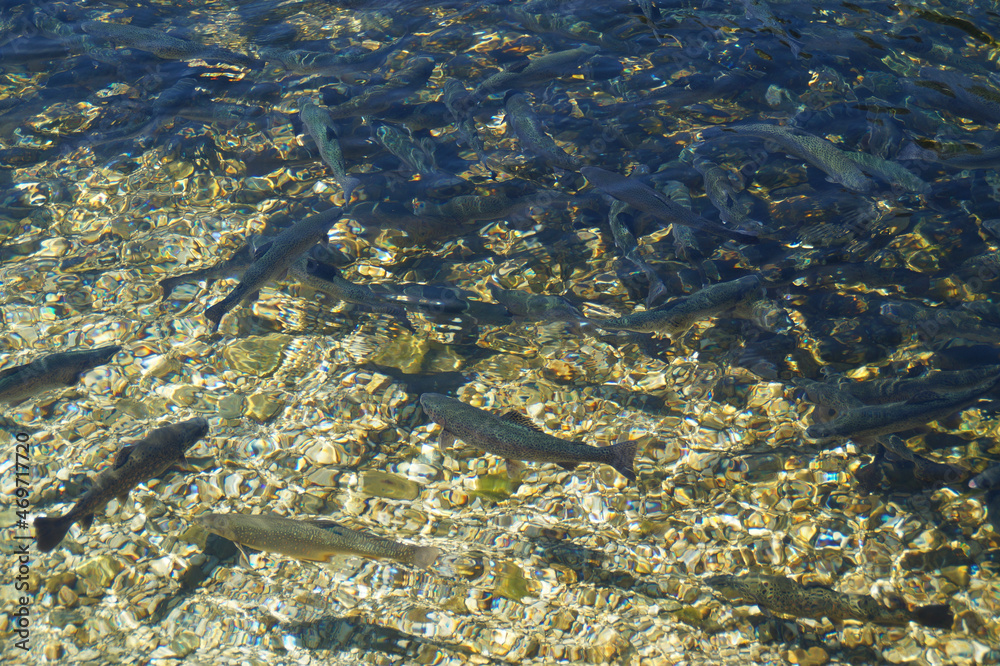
(339, 633)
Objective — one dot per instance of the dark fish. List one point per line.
(894, 389)
(327, 280)
(19, 383)
(133, 464)
(644, 198)
(538, 70)
(237, 263)
(873, 420)
(677, 316)
(319, 124)
(822, 154)
(514, 437)
(377, 98)
(360, 61)
(279, 255)
(787, 597)
(528, 129)
(990, 478)
(163, 45)
(536, 307)
(924, 470)
(313, 540)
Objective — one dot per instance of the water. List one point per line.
(129, 160)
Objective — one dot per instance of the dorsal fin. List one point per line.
(520, 419)
(330, 525)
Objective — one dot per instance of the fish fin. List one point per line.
(424, 556)
(621, 457)
(520, 419)
(922, 397)
(50, 531)
(243, 553)
(445, 441)
(938, 616)
(514, 468)
(568, 465)
(122, 456)
(87, 521)
(122, 497)
(331, 525)
(262, 250)
(253, 296)
(7, 372)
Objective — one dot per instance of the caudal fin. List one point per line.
(50, 531)
(621, 458)
(424, 556)
(937, 616)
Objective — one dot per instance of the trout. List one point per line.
(282, 252)
(19, 383)
(514, 437)
(644, 198)
(313, 540)
(133, 464)
(679, 315)
(787, 597)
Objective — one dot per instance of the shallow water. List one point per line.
(110, 187)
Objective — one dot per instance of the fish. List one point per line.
(515, 438)
(163, 45)
(721, 189)
(274, 260)
(874, 420)
(133, 464)
(787, 597)
(988, 479)
(482, 208)
(894, 389)
(378, 98)
(536, 307)
(626, 241)
(528, 129)
(319, 125)
(58, 370)
(460, 104)
(893, 173)
(538, 70)
(340, 65)
(328, 280)
(924, 470)
(311, 540)
(821, 153)
(239, 262)
(677, 316)
(644, 198)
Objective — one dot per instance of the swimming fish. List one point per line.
(644, 198)
(275, 260)
(989, 478)
(514, 437)
(313, 540)
(873, 420)
(894, 389)
(819, 152)
(787, 597)
(133, 464)
(536, 307)
(525, 124)
(327, 280)
(537, 70)
(677, 316)
(319, 124)
(163, 45)
(377, 98)
(21, 382)
(237, 263)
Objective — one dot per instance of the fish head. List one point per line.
(819, 431)
(194, 430)
(216, 523)
(435, 405)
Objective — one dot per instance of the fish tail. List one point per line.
(424, 556)
(50, 531)
(621, 457)
(937, 616)
(215, 313)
